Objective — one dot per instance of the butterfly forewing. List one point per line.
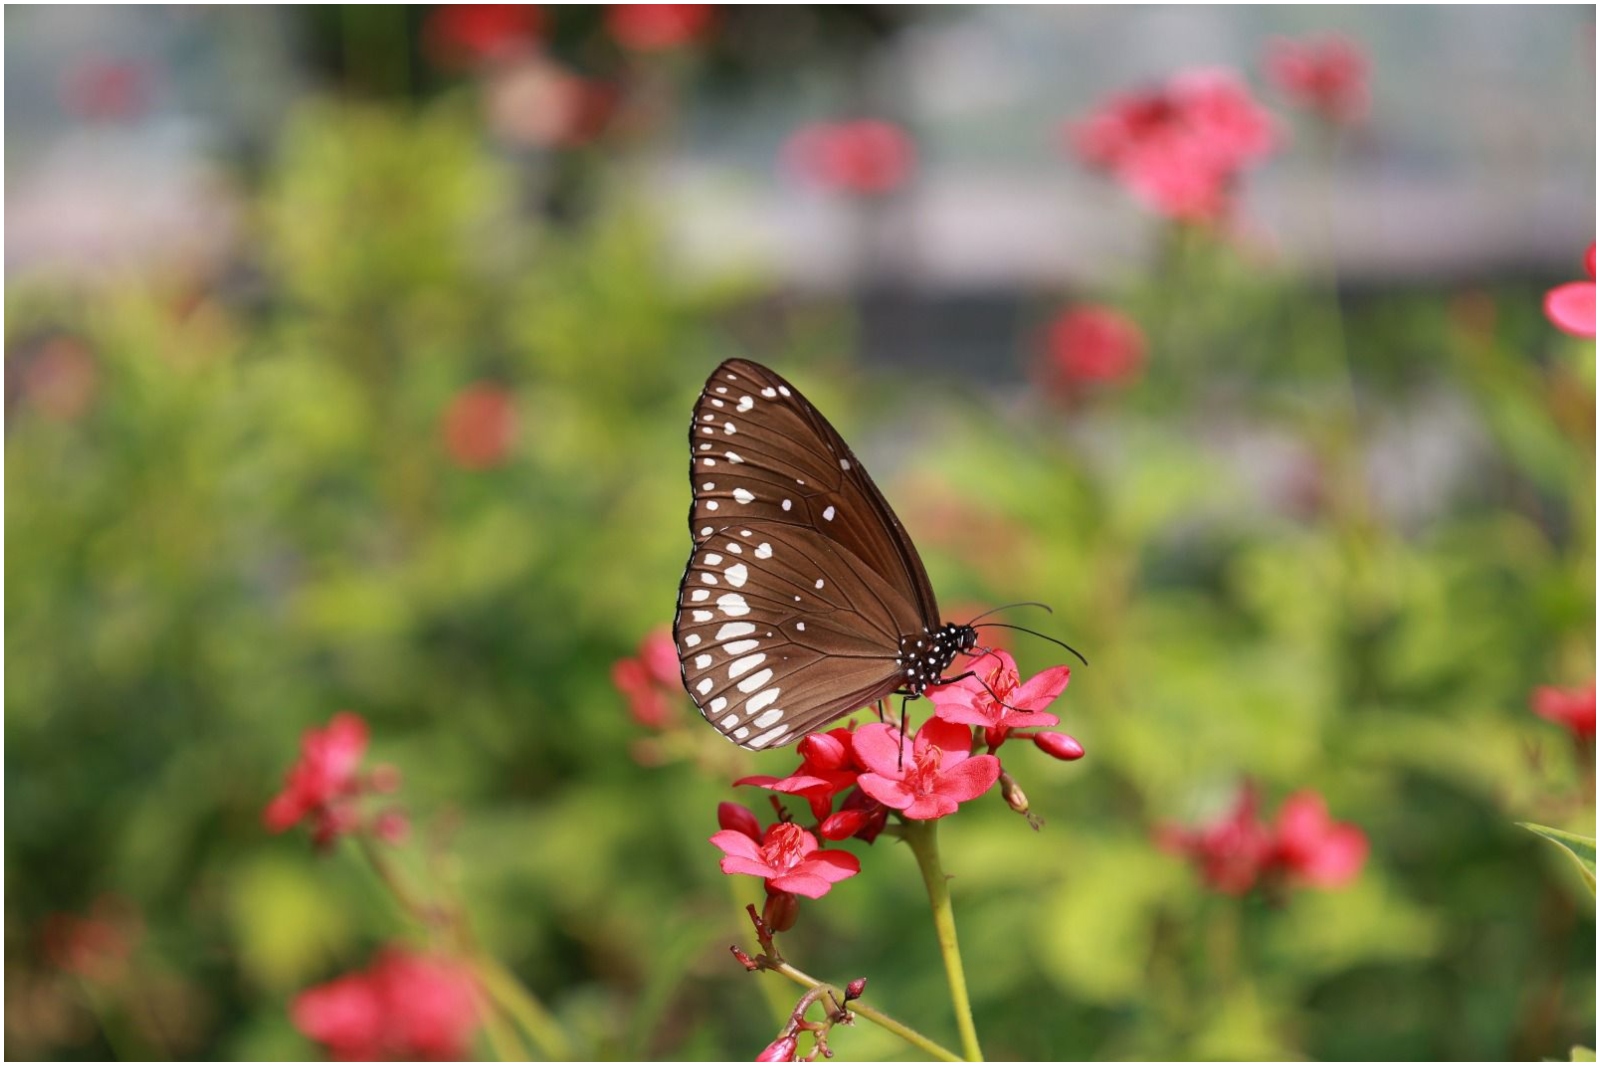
(802, 582)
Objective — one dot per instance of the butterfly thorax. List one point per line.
(924, 658)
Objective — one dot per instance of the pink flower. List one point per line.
(404, 1006)
(479, 426)
(324, 783)
(658, 27)
(455, 36)
(1231, 852)
(1239, 850)
(827, 768)
(537, 102)
(1571, 306)
(1092, 344)
(1325, 75)
(780, 1050)
(864, 157)
(651, 681)
(1570, 707)
(1315, 849)
(787, 856)
(1180, 148)
(996, 698)
(938, 773)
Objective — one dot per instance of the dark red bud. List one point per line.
(1058, 746)
(842, 825)
(780, 1050)
(744, 960)
(854, 989)
(740, 819)
(824, 752)
(782, 910)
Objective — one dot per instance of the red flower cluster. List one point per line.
(1570, 707)
(456, 36)
(1325, 75)
(325, 785)
(404, 1006)
(788, 857)
(658, 27)
(865, 157)
(479, 426)
(1091, 344)
(651, 680)
(1239, 851)
(996, 698)
(1179, 148)
(1571, 306)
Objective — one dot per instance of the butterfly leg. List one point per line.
(901, 762)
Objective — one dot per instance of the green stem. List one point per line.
(876, 1017)
(924, 840)
(513, 998)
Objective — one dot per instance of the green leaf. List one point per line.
(1580, 848)
(1582, 1054)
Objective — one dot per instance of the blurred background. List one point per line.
(349, 357)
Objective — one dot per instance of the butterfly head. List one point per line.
(924, 658)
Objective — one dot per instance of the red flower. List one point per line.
(658, 27)
(404, 1006)
(1092, 344)
(859, 816)
(1312, 847)
(787, 856)
(651, 680)
(1326, 75)
(1239, 850)
(1179, 148)
(1570, 707)
(1571, 306)
(867, 156)
(464, 35)
(827, 768)
(1231, 852)
(479, 426)
(996, 698)
(323, 784)
(938, 773)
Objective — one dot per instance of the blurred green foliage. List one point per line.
(255, 523)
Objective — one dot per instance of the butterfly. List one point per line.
(803, 599)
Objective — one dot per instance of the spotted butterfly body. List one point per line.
(803, 599)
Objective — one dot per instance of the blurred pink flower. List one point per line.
(937, 774)
(651, 680)
(101, 89)
(997, 699)
(1325, 75)
(479, 426)
(782, 1049)
(1313, 848)
(61, 379)
(1091, 344)
(658, 27)
(1569, 707)
(457, 36)
(320, 785)
(1571, 306)
(403, 1006)
(864, 157)
(537, 102)
(1179, 148)
(1231, 852)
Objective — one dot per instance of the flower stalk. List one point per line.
(924, 840)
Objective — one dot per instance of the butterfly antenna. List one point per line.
(1041, 636)
(1008, 606)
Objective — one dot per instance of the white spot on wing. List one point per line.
(800, 626)
(819, 582)
(828, 514)
(764, 551)
(769, 718)
(712, 559)
(727, 427)
(755, 681)
(760, 700)
(702, 616)
(699, 596)
(734, 457)
(711, 505)
(787, 504)
(766, 738)
(739, 647)
(730, 630)
(733, 604)
(784, 389)
(769, 393)
(718, 703)
(702, 661)
(844, 464)
(740, 667)
(704, 686)
(730, 721)
(736, 575)
(743, 495)
(745, 403)
(741, 733)
(692, 639)
(709, 579)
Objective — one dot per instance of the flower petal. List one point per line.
(878, 746)
(890, 792)
(801, 883)
(1571, 308)
(831, 865)
(951, 737)
(1041, 690)
(933, 805)
(970, 779)
(736, 844)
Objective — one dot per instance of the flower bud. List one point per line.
(780, 1050)
(740, 819)
(1058, 746)
(1012, 792)
(824, 752)
(854, 989)
(782, 910)
(842, 825)
(744, 960)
